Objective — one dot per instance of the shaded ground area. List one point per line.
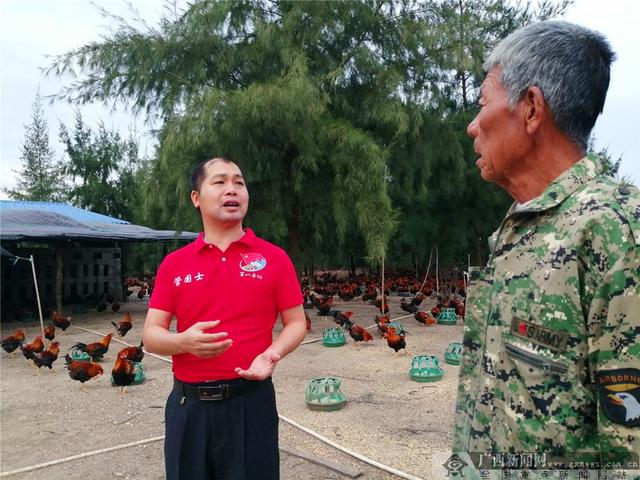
(388, 418)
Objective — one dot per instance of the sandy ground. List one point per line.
(388, 417)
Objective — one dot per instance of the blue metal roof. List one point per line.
(74, 213)
(22, 220)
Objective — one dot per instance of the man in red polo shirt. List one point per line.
(225, 290)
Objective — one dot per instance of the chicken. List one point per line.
(95, 350)
(323, 305)
(10, 343)
(29, 349)
(370, 295)
(308, 320)
(47, 357)
(435, 311)
(123, 373)
(101, 307)
(418, 298)
(342, 318)
(382, 323)
(50, 333)
(134, 354)
(358, 333)
(424, 318)
(395, 341)
(124, 325)
(59, 321)
(115, 307)
(408, 307)
(82, 371)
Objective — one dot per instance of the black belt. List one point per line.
(214, 391)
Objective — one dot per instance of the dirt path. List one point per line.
(388, 418)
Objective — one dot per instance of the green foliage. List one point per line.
(347, 118)
(40, 178)
(610, 166)
(102, 168)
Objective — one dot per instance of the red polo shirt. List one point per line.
(245, 287)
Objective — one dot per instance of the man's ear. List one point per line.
(536, 109)
(195, 198)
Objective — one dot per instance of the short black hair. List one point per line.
(198, 174)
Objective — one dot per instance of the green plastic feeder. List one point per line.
(425, 368)
(80, 356)
(324, 394)
(397, 326)
(138, 374)
(447, 316)
(453, 353)
(333, 337)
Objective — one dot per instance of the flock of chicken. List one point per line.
(122, 373)
(372, 293)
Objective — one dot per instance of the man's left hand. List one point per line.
(261, 367)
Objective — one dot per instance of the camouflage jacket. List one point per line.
(551, 358)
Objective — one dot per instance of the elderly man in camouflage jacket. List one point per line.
(551, 342)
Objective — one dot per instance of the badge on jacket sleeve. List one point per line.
(619, 392)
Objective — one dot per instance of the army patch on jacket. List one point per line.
(551, 338)
(619, 392)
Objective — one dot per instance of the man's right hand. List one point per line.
(194, 340)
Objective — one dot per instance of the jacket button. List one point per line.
(624, 190)
(224, 259)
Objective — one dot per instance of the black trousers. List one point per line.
(231, 439)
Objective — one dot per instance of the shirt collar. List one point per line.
(247, 239)
(583, 171)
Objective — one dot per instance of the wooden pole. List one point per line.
(382, 282)
(437, 278)
(35, 284)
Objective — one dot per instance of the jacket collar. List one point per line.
(583, 171)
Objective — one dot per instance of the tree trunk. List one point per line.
(294, 241)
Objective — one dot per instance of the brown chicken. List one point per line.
(395, 341)
(115, 307)
(29, 349)
(50, 332)
(370, 295)
(124, 325)
(308, 320)
(123, 374)
(47, 357)
(408, 307)
(418, 298)
(135, 354)
(95, 350)
(382, 322)
(342, 318)
(59, 321)
(12, 342)
(82, 371)
(323, 304)
(424, 318)
(358, 333)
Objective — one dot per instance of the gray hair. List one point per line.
(569, 63)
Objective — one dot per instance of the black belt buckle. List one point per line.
(213, 393)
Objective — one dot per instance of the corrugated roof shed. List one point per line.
(22, 220)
